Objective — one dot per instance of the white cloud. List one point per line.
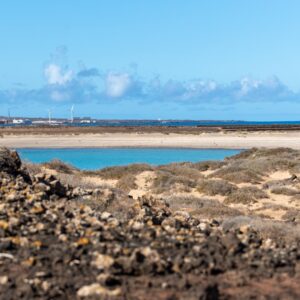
(65, 85)
(247, 85)
(55, 75)
(117, 84)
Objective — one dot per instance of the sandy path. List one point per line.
(207, 140)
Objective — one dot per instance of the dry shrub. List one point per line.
(296, 198)
(293, 180)
(245, 195)
(274, 184)
(266, 160)
(113, 201)
(120, 205)
(262, 165)
(127, 183)
(215, 187)
(77, 180)
(186, 201)
(276, 230)
(202, 207)
(33, 169)
(165, 182)
(284, 191)
(254, 153)
(181, 169)
(292, 215)
(120, 171)
(60, 166)
(208, 165)
(237, 175)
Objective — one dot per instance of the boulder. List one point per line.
(10, 161)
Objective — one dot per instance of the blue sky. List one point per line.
(218, 59)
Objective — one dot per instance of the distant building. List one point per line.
(85, 121)
(18, 121)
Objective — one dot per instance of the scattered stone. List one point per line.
(96, 289)
(3, 280)
(102, 262)
(54, 246)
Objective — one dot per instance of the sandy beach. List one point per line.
(232, 140)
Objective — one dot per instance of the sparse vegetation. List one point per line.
(208, 165)
(245, 195)
(165, 182)
(181, 169)
(32, 168)
(120, 171)
(179, 183)
(215, 187)
(284, 191)
(265, 161)
(264, 152)
(237, 174)
(275, 230)
(292, 215)
(292, 181)
(127, 183)
(60, 166)
(202, 207)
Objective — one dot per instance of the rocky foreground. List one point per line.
(54, 246)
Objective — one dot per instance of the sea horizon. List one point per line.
(90, 122)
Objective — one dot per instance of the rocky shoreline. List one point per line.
(55, 246)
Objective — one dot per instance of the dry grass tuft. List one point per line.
(165, 182)
(202, 207)
(60, 166)
(181, 169)
(237, 175)
(215, 187)
(293, 180)
(275, 230)
(127, 183)
(33, 169)
(208, 165)
(254, 153)
(245, 195)
(285, 191)
(292, 215)
(120, 171)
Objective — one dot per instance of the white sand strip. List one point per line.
(207, 140)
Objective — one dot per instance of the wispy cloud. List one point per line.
(64, 84)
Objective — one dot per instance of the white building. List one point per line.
(18, 121)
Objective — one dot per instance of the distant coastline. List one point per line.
(91, 122)
(215, 139)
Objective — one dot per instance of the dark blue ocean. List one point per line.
(182, 123)
(172, 123)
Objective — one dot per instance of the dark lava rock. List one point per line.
(9, 161)
(53, 246)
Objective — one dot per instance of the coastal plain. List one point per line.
(175, 137)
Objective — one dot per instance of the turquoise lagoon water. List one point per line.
(92, 159)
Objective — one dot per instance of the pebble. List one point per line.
(95, 289)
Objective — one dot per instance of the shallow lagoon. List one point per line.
(92, 159)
